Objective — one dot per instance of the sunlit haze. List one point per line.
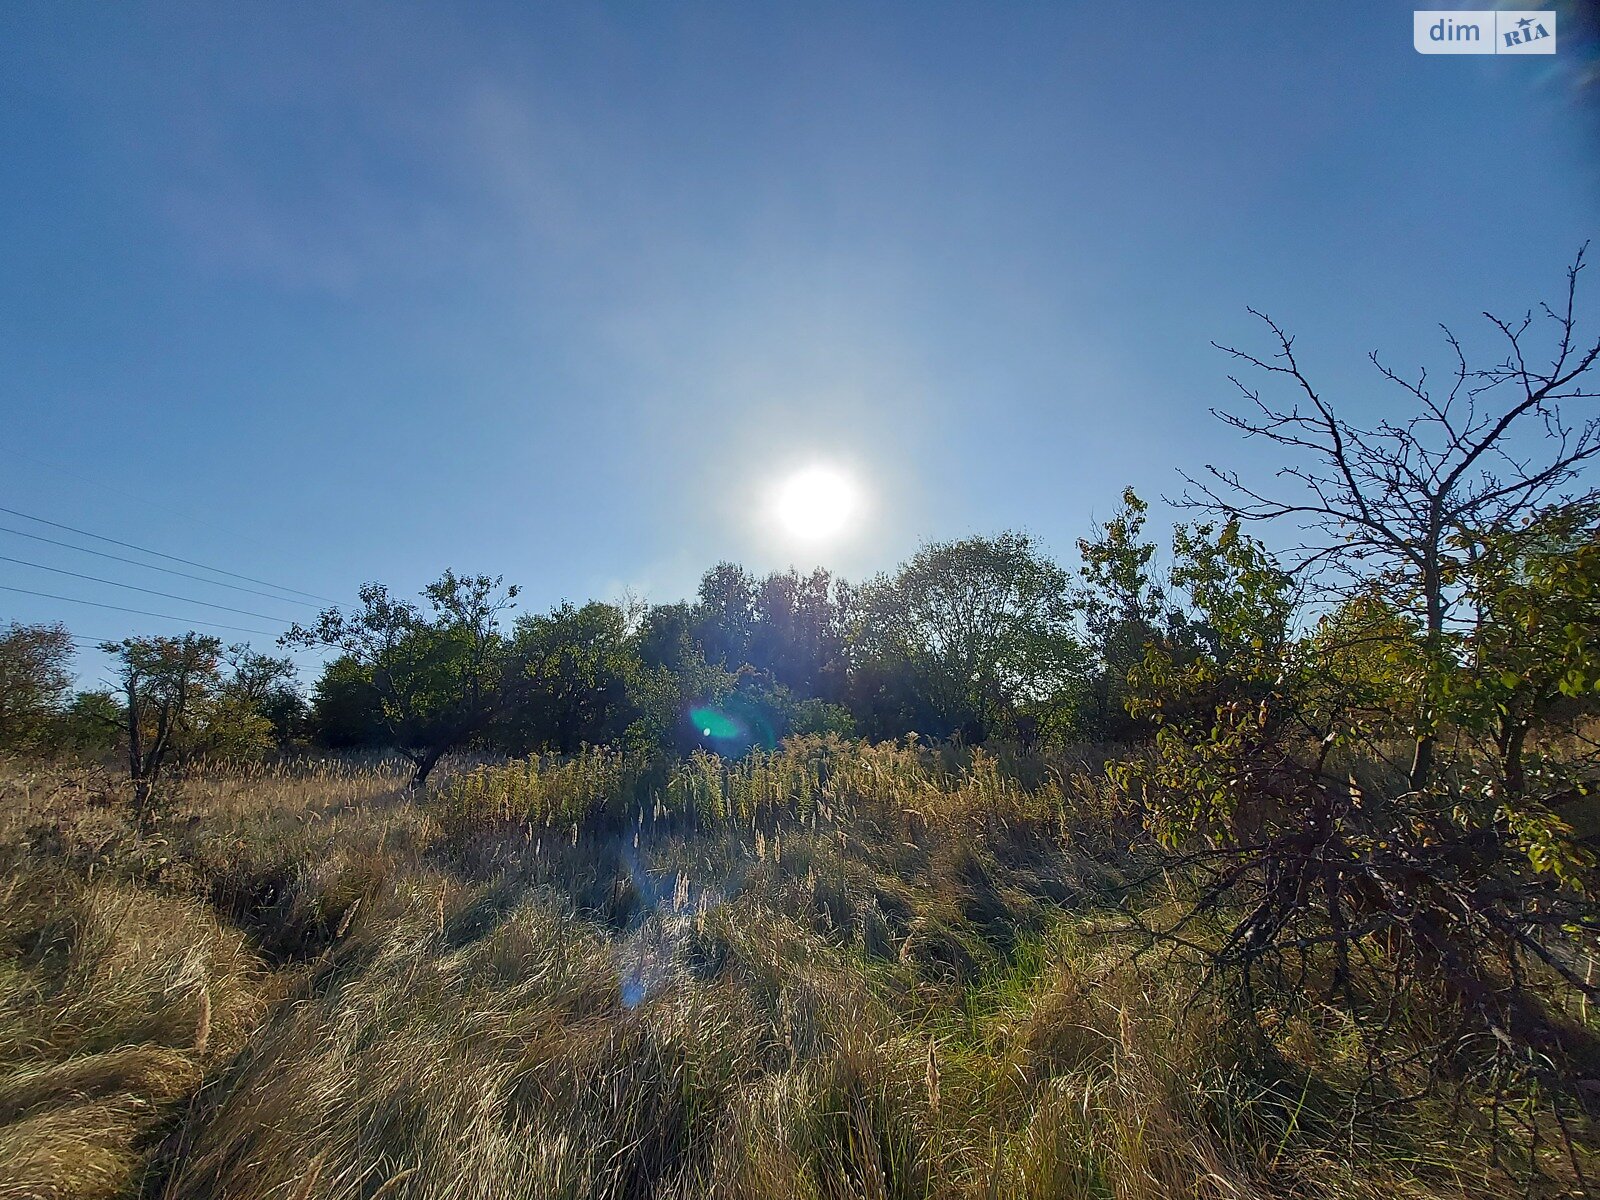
(817, 504)
(326, 294)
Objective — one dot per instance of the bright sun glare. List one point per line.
(816, 503)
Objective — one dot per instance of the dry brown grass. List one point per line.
(114, 1000)
(838, 972)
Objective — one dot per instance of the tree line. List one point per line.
(977, 639)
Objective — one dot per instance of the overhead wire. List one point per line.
(123, 493)
(188, 562)
(136, 611)
(243, 612)
(153, 567)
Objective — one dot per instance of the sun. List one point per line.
(816, 503)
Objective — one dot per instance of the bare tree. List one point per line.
(1404, 500)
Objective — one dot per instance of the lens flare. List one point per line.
(714, 723)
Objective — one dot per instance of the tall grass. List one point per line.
(828, 971)
(114, 1001)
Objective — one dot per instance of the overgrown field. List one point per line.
(834, 971)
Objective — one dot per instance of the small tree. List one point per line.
(1397, 503)
(346, 710)
(1124, 609)
(164, 683)
(254, 709)
(801, 632)
(34, 680)
(1532, 656)
(440, 676)
(725, 615)
(676, 693)
(981, 631)
(574, 670)
(1450, 553)
(90, 723)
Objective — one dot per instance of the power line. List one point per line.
(243, 612)
(122, 492)
(84, 639)
(96, 643)
(139, 612)
(77, 637)
(152, 567)
(188, 562)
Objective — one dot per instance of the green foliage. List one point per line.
(1536, 591)
(1530, 664)
(254, 710)
(1214, 708)
(34, 681)
(1229, 647)
(969, 638)
(813, 716)
(1240, 600)
(759, 660)
(177, 700)
(725, 615)
(234, 727)
(674, 677)
(88, 725)
(575, 670)
(441, 677)
(801, 631)
(790, 627)
(1467, 886)
(346, 709)
(166, 684)
(1371, 666)
(268, 684)
(1118, 587)
(1124, 610)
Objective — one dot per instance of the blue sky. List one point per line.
(327, 293)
